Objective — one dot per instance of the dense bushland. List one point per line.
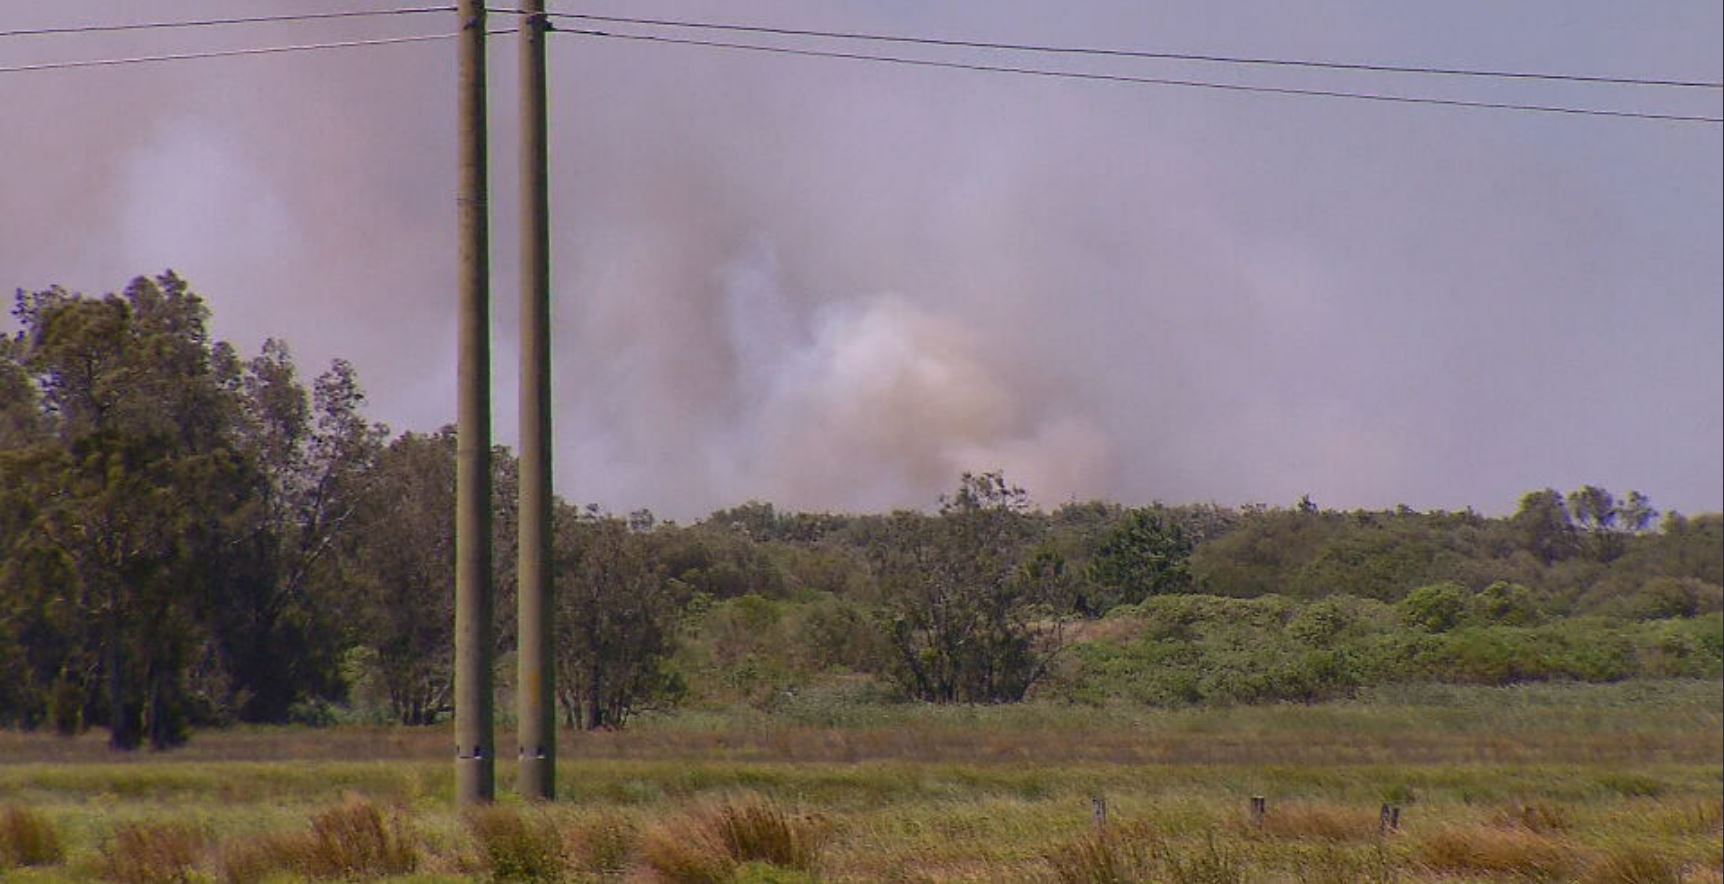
(191, 537)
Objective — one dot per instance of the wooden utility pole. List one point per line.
(475, 749)
(535, 710)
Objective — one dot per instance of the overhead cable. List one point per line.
(1150, 81)
(216, 22)
(1137, 53)
(230, 53)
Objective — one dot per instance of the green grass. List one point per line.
(1614, 782)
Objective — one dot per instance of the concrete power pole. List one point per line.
(536, 682)
(475, 750)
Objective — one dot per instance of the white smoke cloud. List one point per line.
(837, 285)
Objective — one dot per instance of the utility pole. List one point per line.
(535, 710)
(475, 749)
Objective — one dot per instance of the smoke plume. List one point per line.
(837, 285)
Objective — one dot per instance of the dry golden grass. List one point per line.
(253, 859)
(603, 844)
(1634, 864)
(517, 846)
(1541, 817)
(1112, 855)
(709, 843)
(160, 853)
(356, 839)
(1495, 850)
(28, 839)
(1319, 821)
(682, 851)
(1697, 817)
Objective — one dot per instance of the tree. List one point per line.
(1636, 513)
(616, 620)
(1595, 511)
(1145, 555)
(968, 622)
(399, 565)
(1542, 526)
(137, 497)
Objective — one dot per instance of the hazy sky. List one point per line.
(837, 285)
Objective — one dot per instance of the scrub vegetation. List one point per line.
(202, 555)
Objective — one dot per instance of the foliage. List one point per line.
(192, 537)
(615, 622)
(960, 609)
(1145, 554)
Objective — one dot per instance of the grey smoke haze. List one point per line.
(836, 285)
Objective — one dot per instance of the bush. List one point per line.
(1665, 597)
(1438, 608)
(28, 839)
(1506, 604)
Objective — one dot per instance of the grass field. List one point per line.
(1541, 782)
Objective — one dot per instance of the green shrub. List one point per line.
(1437, 608)
(1665, 597)
(1506, 604)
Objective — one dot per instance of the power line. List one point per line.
(230, 53)
(214, 22)
(1135, 53)
(1152, 81)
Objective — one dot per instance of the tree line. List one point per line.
(192, 537)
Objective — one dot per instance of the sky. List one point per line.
(838, 285)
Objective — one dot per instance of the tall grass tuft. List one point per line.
(1318, 821)
(1541, 817)
(255, 859)
(354, 839)
(685, 851)
(603, 844)
(755, 829)
(1134, 853)
(1108, 856)
(517, 847)
(709, 844)
(1215, 863)
(1493, 850)
(145, 853)
(1635, 864)
(28, 839)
